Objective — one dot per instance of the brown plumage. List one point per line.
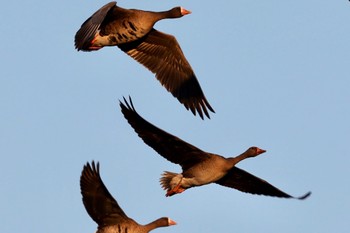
(104, 209)
(198, 167)
(132, 31)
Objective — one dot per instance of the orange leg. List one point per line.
(92, 47)
(177, 189)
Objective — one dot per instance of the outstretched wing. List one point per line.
(98, 202)
(162, 55)
(243, 181)
(170, 147)
(90, 27)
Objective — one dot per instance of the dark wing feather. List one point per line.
(243, 181)
(162, 55)
(98, 202)
(90, 27)
(170, 147)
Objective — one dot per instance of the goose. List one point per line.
(132, 31)
(104, 209)
(198, 167)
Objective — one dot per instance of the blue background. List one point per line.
(276, 72)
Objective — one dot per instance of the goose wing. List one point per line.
(243, 181)
(162, 55)
(98, 202)
(170, 147)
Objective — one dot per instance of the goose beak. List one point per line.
(172, 222)
(260, 151)
(184, 11)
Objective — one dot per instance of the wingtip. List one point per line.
(203, 108)
(304, 196)
(200, 108)
(94, 166)
(127, 104)
(77, 44)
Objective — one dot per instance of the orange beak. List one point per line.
(184, 11)
(260, 151)
(172, 222)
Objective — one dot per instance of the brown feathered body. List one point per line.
(198, 167)
(105, 210)
(132, 31)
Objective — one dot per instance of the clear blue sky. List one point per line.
(276, 72)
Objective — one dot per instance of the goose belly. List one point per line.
(116, 229)
(204, 175)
